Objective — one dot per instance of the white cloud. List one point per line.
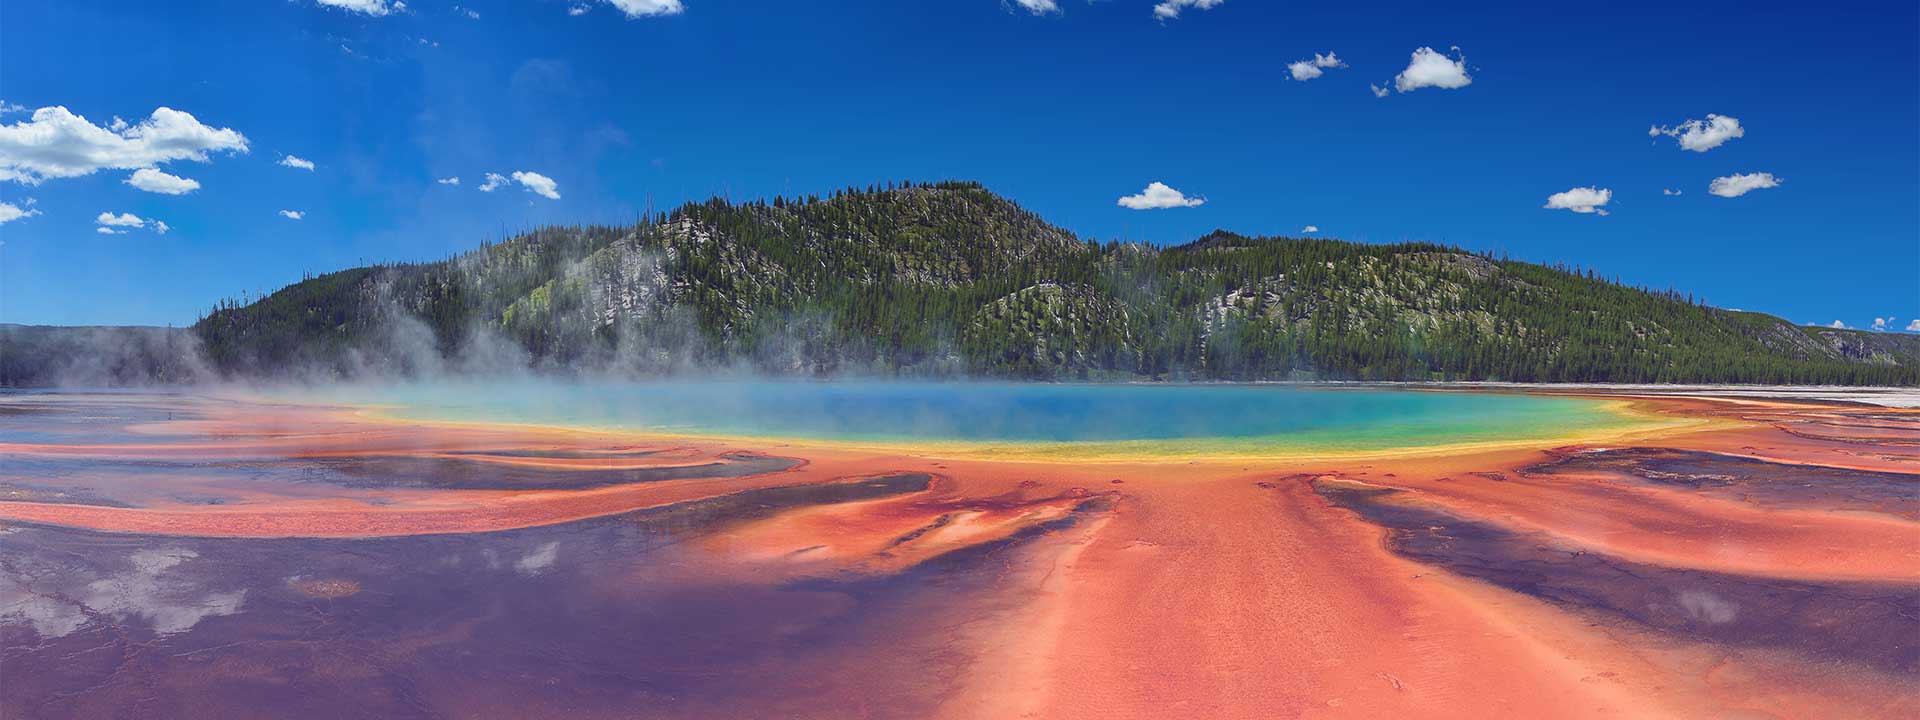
(578, 10)
(7, 108)
(56, 143)
(292, 214)
(455, 180)
(1881, 324)
(1669, 191)
(1702, 135)
(155, 181)
(1913, 325)
(1839, 325)
(1158, 196)
(536, 183)
(1170, 9)
(167, 600)
(10, 212)
(111, 224)
(1310, 229)
(1305, 70)
(539, 559)
(1377, 90)
(1431, 68)
(296, 162)
(376, 8)
(645, 8)
(121, 220)
(1738, 184)
(470, 13)
(1583, 200)
(533, 182)
(1039, 7)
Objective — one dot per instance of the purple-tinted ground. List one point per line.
(601, 617)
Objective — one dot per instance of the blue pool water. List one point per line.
(1011, 413)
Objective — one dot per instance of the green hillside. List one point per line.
(947, 278)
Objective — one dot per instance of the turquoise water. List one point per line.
(1015, 413)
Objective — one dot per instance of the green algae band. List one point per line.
(1144, 418)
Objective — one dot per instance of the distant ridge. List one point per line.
(948, 279)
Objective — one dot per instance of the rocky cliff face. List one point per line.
(1864, 347)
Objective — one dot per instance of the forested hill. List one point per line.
(947, 279)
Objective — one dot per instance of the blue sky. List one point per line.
(1066, 111)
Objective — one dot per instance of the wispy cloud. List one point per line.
(532, 181)
(1702, 135)
(1738, 184)
(1304, 70)
(149, 589)
(538, 560)
(10, 212)
(112, 224)
(296, 162)
(1038, 7)
(1170, 9)
(376, 8)
(292, 214)
(646, 8)
(455, 180)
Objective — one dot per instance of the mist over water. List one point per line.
(1283, 416)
